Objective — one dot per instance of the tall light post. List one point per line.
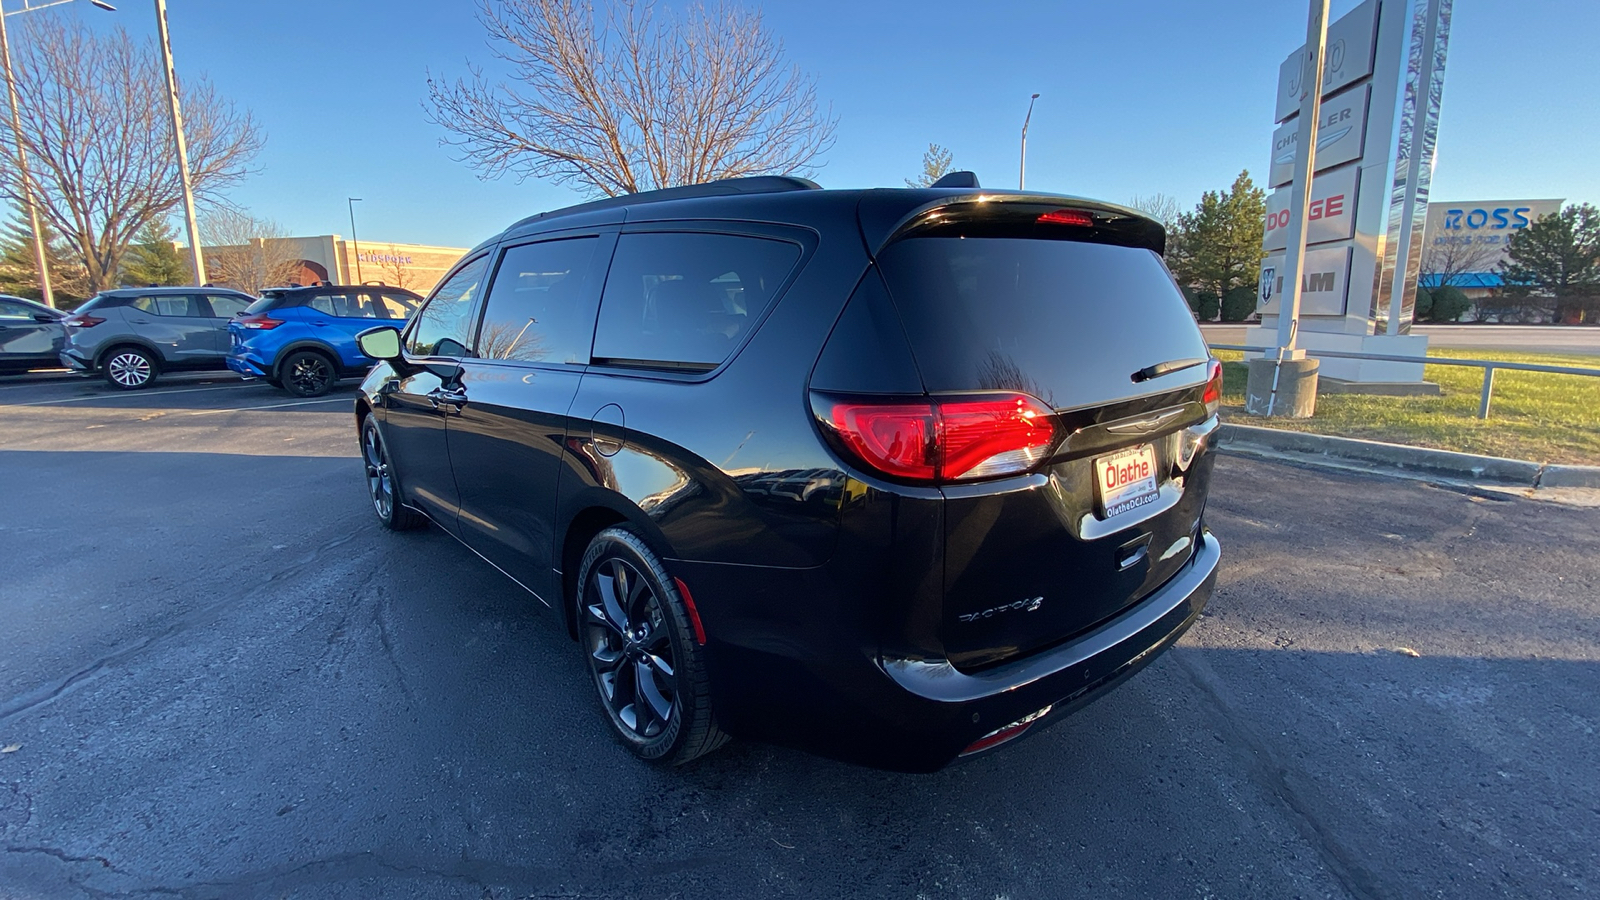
(39, 258)
(1022, 168)
(197, 260)
(351, 202)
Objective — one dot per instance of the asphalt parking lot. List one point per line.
(221, 678)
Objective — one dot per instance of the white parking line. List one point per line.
(131, 395)
(212, 412)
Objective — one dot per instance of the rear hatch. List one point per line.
(1071, 306)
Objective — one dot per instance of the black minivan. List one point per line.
(893, 476)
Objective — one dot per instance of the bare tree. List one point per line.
(937, 162)
(1451, 258)
(640, 101)
(94, 118)
(1160, 207)
(396, 268)
(248, 253)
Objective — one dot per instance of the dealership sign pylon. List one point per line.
(1366, 205)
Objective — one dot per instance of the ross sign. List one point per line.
(1324, 283)
(1481, 230)
(1339, 139)
(1352, 40)
(1331, 210)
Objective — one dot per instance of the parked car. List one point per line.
(31, 335)
(132, 335)
(894, 476)
(303, 339)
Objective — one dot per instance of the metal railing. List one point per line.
(1487, 365)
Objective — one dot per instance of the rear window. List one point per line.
(264, 304)
(1065, 321)
(685, 300)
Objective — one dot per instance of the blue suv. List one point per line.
(303, 339)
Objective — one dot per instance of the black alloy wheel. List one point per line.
(130, 368)
(381, 482)
(647, 666)
(308, 374)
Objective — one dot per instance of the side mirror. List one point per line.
(382, 342)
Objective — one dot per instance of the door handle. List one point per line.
(441, 398)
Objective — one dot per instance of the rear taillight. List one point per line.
(259, 322)
(943, 439)
(1213, 393)
(81, 320)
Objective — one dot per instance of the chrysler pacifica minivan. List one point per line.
(893, 476)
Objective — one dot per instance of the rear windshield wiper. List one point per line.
(1166, 368)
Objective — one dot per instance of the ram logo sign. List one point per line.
(1324, 282)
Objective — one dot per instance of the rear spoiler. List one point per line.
(884, 217)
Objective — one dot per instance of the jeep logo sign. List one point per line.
(1351, 43)
(1339, 139)
(1330, 213)
(1323, 286)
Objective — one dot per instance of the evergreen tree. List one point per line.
(153, 257)
(19, 275)
(1553, 265)
(1218, 245)
(936, 163)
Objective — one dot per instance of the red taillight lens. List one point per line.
(1009, 733)
(259, 323)
(81, 320)
(948, 439)
(1067, 217)
(899, 439)
(1213, 393)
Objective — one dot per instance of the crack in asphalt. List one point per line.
(49, 693)
(1274, 775)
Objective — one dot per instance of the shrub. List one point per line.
(1238, 304)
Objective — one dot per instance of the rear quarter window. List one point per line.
(686, 299)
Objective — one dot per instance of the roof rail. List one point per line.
(754, 184)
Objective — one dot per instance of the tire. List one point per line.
(382, 485)
(642, 652)
(308, 373)
(130, 368)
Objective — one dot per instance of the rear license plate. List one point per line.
(1126, 480)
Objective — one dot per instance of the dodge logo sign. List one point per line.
(1269, 277)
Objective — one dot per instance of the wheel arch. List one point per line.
(118, 343)
(595, 511)
(290, 349)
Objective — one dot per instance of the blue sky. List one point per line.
(1172, 97)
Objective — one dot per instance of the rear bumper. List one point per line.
(72, 360)
(249, 365)
(817, 692)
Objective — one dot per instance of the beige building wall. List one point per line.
(329, 257)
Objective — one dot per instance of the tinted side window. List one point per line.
(396, 306)
(541, 305)
(9, 310)
(226, 306)
(443, 327)
(687, 299)
(168, 305)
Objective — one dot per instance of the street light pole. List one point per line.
(1022, 168)
(39, 258)
(351, 202)
(197, 259)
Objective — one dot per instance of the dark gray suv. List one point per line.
(132, 335)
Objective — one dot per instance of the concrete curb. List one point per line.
(1401, 459)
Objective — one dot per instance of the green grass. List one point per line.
(1537, 416)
